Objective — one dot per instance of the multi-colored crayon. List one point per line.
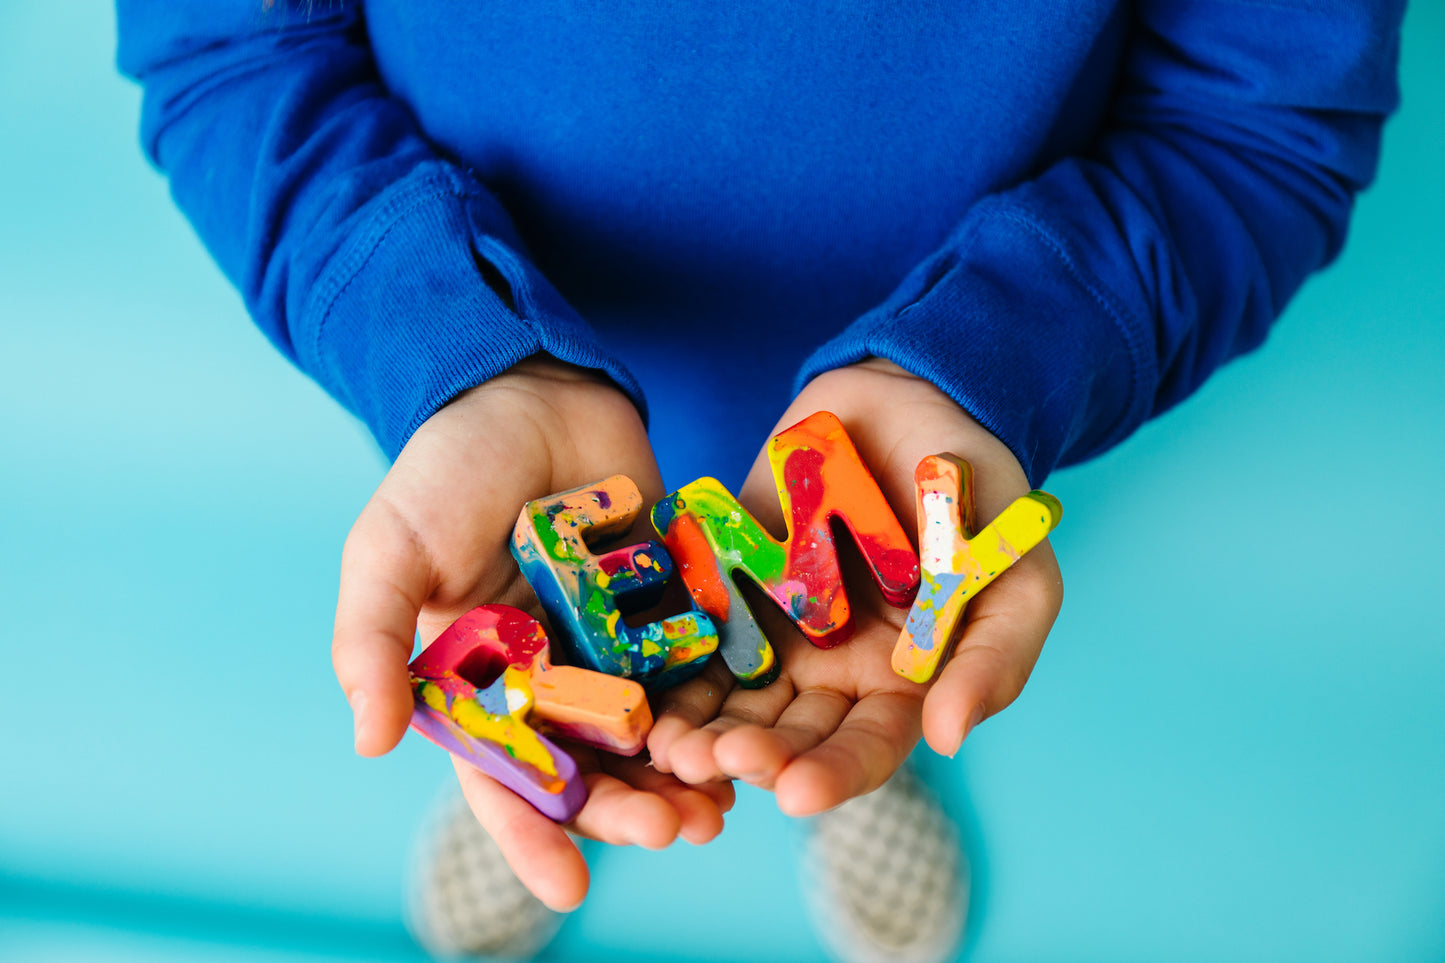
(820, 479)
(957, 564)
(586, 596)
(487, 684)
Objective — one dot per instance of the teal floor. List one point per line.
(1233, 748)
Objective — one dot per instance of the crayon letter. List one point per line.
(820, 479)
(586, 596)
(486, 684)
(957, 563)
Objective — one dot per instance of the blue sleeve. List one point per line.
(1065, 311)
(383, 271)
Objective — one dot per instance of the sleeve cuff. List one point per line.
(1004, 320)
(402, 320)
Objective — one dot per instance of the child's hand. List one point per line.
(838, 722)
(433, 542)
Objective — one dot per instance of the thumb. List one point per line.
(385, 578)
(1003, 633)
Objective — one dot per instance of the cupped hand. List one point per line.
(432, 543)
(838, 722)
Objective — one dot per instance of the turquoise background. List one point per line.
(1233, 748)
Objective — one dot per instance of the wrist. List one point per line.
(558, 399)
(561, 424)
(897, 418)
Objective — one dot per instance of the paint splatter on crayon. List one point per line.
(586, 596)
(486, 687)
(958, 564)
(820, 479)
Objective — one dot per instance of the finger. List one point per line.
(700, 813)
(699, 818)
(385, 578)
(617, 813)
(756, 755)
(723, 794)
(686, 708)
(1004, 631)
(692, 755)
(869, 746)
(539, 851)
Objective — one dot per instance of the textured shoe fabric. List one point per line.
(464, 900)
(886, 877)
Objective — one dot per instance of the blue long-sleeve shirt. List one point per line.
(1065, 215)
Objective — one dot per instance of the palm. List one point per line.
(838, 722)
(843, 719)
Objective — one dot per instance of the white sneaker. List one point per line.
(463, 900)
(885, 879)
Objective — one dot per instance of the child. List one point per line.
(1013, 232)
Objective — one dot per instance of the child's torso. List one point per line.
(752, 150)
(744, 178)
